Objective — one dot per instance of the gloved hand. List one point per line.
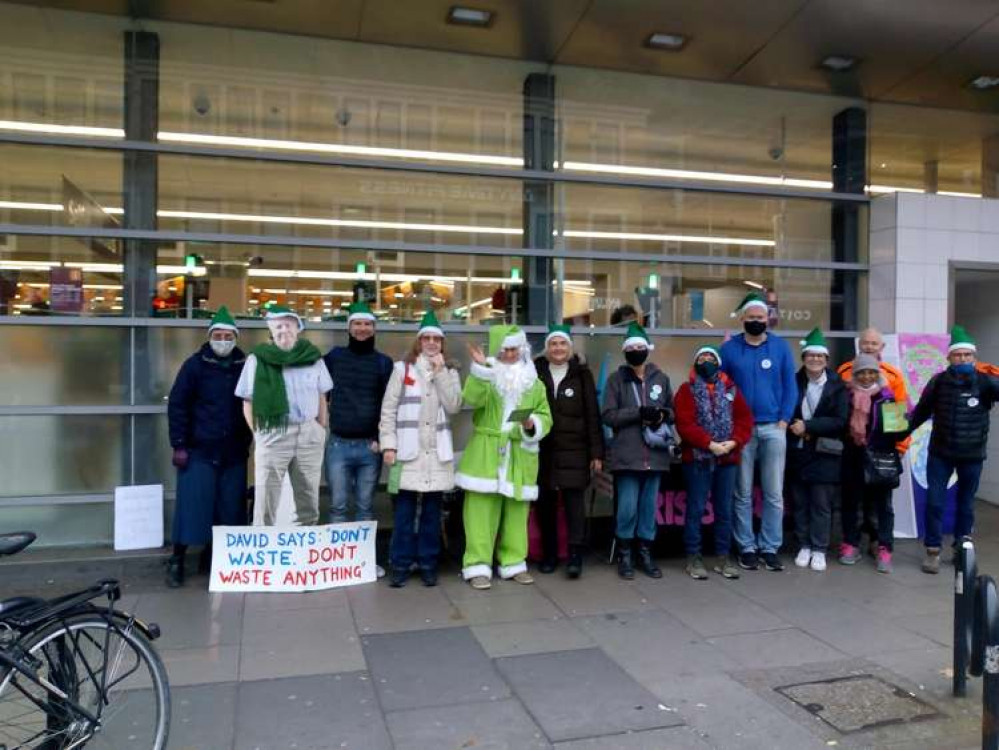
(650, 415)
(180, 458)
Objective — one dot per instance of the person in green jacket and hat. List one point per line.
(499, 467)
(283, 387)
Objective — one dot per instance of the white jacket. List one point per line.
(441, 391)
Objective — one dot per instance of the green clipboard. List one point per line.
(519, 415)
(893, 418)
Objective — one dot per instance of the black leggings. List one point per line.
(575, 516)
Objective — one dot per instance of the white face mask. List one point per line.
(222, 348)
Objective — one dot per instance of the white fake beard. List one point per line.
(513, 381)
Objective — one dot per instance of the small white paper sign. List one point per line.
(292, 558)
(138, 516)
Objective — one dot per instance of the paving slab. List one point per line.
(440, 667)
(531, 637)
(596, 596)
(203, 717)
(378, 608)
(675, 738)
(788, 647)
(286, 602)
(502, 725)
(310, 713)
(583, 693)
(197, 666)
(192, 618)
(501, 609)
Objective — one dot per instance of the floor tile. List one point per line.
(577, 598)
(563, 690)
(193, 619)
(431, 668)
(310, 713)
(502, 725)
(380, 609)
(197, 666)
(203, 717)
(532, 637)
(776, 648)
(709, 608)
(674, 738)
(499, 609)
(284, 602)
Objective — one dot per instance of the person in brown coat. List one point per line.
(571, 452)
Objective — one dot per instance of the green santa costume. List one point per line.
(499, 467)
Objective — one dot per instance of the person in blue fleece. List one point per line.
(762, 366)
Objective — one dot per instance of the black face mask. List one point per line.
(754, 327)
(636, 357)
(706, 370)
(361, 347)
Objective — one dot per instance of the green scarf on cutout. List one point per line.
(270, 399)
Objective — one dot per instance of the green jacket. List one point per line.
(499, 457)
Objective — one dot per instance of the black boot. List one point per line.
(175, 572)
(205, 560)
(574, 568)
(624, 567)
(645, 561)
(547, 565)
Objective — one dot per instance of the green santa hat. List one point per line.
(636, 335)
(708, 349)
(223, 321)
(359, 311)
(559, 332)
(430, 325)
(814, 342)
(961, 339)
(753, 299)
(505, 337)
(282, 311)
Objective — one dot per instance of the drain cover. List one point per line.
(859, 702)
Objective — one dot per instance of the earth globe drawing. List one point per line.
(919, 450)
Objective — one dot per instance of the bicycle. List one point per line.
(75, 674)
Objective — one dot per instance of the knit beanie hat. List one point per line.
(707, 349)
(281, 311)
(865, 362)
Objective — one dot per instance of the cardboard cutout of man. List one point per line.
(499, 467)
(283, 387)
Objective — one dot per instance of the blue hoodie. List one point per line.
(764, 374)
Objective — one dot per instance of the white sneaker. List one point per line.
(804, 555)
(379, 571)
(819, 561)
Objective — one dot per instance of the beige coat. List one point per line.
(425, 473)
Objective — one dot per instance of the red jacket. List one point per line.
(692, 435)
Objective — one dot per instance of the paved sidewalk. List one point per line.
(793, 660)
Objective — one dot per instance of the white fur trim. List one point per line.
(637, 340)
(558, 335)
(430, 329)
(273, 316)
(473, 571)
(708, 350)
(509, 571)
(361, 316)
(528, 492)
(965, 345)
(815, 348)
(517, 339)
(530, 442)
(223, 327)
(482, 372)
(476, 484)
(755, 303)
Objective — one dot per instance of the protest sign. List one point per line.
(292, 558)
(138, 517)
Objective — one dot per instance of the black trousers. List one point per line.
(857, 497)
(575, 517)
(813, 503)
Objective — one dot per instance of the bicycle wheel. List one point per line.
(111, 671)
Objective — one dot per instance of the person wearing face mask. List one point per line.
(958, 400)
(423, 394)
(571, 452)
(283, 387)
(210, 444)
(714, 423)
(869, 392)
(353, 457)
(499, 466)
(637, 396)
(761, 364)
(815, 449)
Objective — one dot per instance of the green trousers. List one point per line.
(489, 516)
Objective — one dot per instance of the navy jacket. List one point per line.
(205, 415)
(765, 374)
(359, 382)
(959, 406)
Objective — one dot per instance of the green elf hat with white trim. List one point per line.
(505, 337)
(559, 332)
(708, 349)
(814, 342)
(282, 311)
(636, 335)
(961, 339)
(430, 325)
(359, 311)
(753, 299)
(223, 321)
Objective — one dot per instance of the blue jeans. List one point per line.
(409, 544)
(938, 471)
(768, 446)
(636, 493)
(702, 477)
(351, 465)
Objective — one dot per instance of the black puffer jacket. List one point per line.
(805, 463)
(359, 382)
(576, 436)
(959, 406)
